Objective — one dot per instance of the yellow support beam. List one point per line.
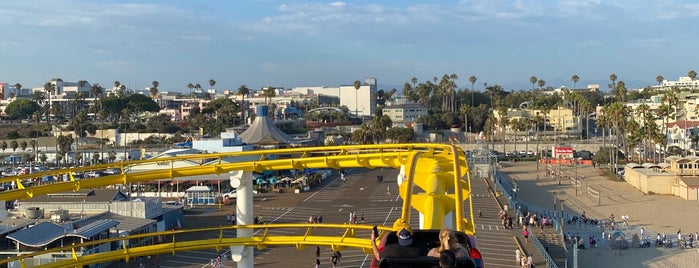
(437, 182)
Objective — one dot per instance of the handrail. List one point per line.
(219, 242)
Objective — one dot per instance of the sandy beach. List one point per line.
(655, 213)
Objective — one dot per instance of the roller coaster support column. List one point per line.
(242, 182)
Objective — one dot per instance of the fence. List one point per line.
(544, 253)
(506, 188)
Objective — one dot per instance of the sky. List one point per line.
(325, 43)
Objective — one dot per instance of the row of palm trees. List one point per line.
(638, 128)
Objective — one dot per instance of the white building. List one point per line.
(321, 90)
(404, 113)
(361, 101)
(683, 82)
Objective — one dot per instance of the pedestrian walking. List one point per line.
(362, 218)
(317, 252)
(518, 256)
(525, 232)
(388, 190)
(334, 258)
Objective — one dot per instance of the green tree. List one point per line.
(612, 77)
(49, 88)
(21, 108)
(79, 158)
(269, 92)
(400, 134)
(541, 83)
(14, 145)
(154, 89)
(575, 78)
(692, 75)
(139, 103)
(3, 146)
(18, 87)
(659, 79)
(473, 80)
(190, 86)
(533, 80)
(95, 158)
(23, 145)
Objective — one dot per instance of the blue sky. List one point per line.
(312, 43)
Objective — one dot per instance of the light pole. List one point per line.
(562, 214)
(515, 189)
(560, 171)
(356, 106)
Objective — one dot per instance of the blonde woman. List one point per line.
(448, 241)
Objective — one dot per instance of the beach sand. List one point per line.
(655, 213)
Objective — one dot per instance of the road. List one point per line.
(334, 200)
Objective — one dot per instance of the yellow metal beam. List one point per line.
(437, 183)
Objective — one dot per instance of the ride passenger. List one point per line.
(404, 247)
(448, 241)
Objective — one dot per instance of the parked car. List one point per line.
(233, 194)
(112, 171)
(92, 174)
(230, 195)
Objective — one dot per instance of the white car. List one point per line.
(234, 194)
(230, 195)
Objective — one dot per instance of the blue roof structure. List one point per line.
(45, 233)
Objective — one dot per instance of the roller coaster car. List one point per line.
(428, 239)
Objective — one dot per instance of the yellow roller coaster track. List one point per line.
(440, 171)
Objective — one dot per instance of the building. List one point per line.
(683, 82)
(59, 219)
(678, 176)
(362, 101)
(402, 114)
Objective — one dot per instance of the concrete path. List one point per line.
(655, 213)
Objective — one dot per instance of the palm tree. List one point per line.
(621, 91)
(190, 86)
(18, 86)
(212, 83)
(356, 85)
(197, 89)
(14, 145)
(49, 88)
(612, 77)
(533, 80)
(541, 83)
(575, 79)
(452, 92)
(472, 79)
(692, 74)
(269, 92)
(154, 89)
(659, 79)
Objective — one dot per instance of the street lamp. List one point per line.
(562, 213)
(560, 171)
(356, 106)
(515, 189)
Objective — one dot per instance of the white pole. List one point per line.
(242, 182)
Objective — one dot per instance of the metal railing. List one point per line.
(505, 188)
(551, 263)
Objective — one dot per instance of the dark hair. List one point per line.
(447, 259)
